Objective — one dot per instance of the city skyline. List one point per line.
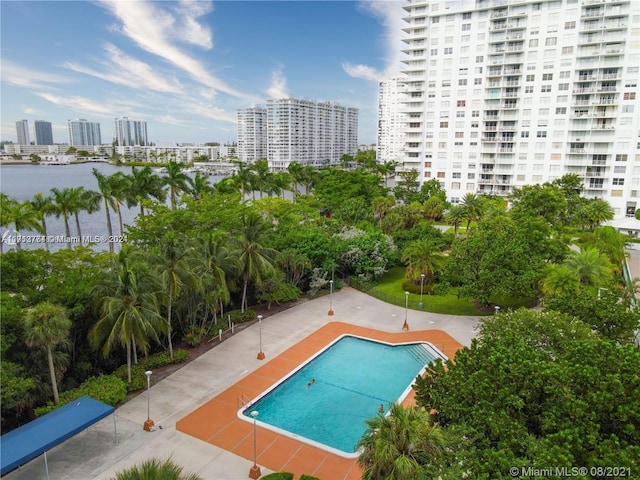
(187, 67)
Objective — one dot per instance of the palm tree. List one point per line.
(218, 267)
(609, 241)
(6, 204)
(262, 175)
(120, 192)
(174, 272)
(387, 169)
(177, 181)
(255, 260)
(244, 179)
(396, 446)
(310, 177)
(85, 201)
(106, 190)
(472, 208)
(422, 257)
(595, 212)
(381, 206)
(64, 204)
(128, 306)
(143, 184)
(201, 186)
(295, 170)
(454, 216)
(279, 183)
(43, 206)
(154, 469)
(591, 266)
(47, 326)
(24, 217)
(559, 280)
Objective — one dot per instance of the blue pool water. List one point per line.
(352, 378)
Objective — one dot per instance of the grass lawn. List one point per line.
(390, 290)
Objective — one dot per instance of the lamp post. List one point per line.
(405, 325)
(149, 423)
(421, 304)
(260, 353)
(330, 312)
(497, 308)
(255, 472)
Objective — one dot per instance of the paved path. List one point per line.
(93, 453)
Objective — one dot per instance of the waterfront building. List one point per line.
(83, 132)
(252, 134)
(22, 131)
(43, 132)
(130, 132)
(305, 131)
(505, 93)
(391, 119)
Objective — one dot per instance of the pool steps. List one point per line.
(422, 353)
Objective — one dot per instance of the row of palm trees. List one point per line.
(114, 192)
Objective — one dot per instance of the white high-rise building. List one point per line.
(83, 132)
(505, 93)
(304, 131)
(391, 119)
(252, 134)
(130, 132)
(22, 131)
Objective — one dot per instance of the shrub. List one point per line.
(278, 476)
(152, 362)
(237, 316)
(308, 477)
(107, 389)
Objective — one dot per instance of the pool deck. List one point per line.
(216, 421)
(202, 397)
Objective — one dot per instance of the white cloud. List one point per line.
(25, 77)
(81, 104)
(122, 69)
(154, 30)
(390, 14)
(278, 87)
(363, 71)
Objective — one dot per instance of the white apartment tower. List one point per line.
(22, 131)
(504, 93)
(305, 131)
(83, 132)
(391, 120)
(252, 134)
(130, 132)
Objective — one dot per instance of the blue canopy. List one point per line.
(35, 438)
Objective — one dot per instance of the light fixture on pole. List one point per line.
(255, 472)
(330, 312)
(497, 308)
(405, 325)
(421, 304)
(260, 353)
(149, 423)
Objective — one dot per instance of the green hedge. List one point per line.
(107, 389)
(138, 377)
(278, 476)
(308, 477)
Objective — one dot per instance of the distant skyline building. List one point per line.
(43, 132)
(22, 131)
(252, 134)
(83, 132)
(304, 131)
(391, 119)
(130, 132)
(506, 93)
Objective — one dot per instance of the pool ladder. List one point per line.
(243, 401)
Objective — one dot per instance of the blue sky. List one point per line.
(186, 67)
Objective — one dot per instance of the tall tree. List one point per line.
(177, 182)
(47, 326)
(6, 204)
(120, 192)
(106, 190)
(144, 184)
(24, 217)
(201, 186)
(174, 271)
(263, 175)
(65, 203)
(423, 257)
(472, 208)
(43, 207)
(398, 446)
(127, 301)
(454, 216)
(254, 258)
(591, 267)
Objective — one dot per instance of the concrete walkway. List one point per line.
(93, 454)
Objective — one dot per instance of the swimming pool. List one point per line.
(326, 401)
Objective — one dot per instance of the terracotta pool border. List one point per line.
(216, 421)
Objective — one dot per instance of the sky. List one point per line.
(186, 67)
